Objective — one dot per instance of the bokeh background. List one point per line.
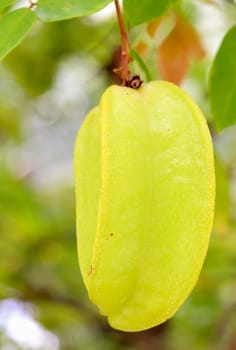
(47, 85)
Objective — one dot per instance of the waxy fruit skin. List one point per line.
(145, 191)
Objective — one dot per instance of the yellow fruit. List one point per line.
(144, 175)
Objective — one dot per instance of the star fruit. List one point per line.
(145, 187)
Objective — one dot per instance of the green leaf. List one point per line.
(15, 25)
(222, 82)
(5, 3)
(56, 10)
(145, 10)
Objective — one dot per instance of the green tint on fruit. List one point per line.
(145, 183)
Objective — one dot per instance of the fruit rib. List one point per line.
(87, 186)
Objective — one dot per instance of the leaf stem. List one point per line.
(134, 54)
(123, 71)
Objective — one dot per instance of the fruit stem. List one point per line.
(32, 4)
(123, 71)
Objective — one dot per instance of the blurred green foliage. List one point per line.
(47, 85)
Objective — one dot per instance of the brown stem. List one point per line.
(125, 57)
(32, 4)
